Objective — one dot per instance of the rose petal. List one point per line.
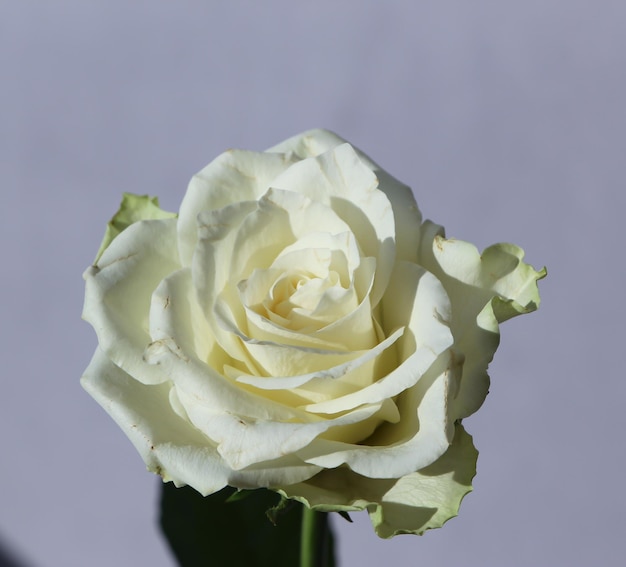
(355, 331)
(344, 252)
(282, 218)
(332, 366)
(485, 290)
(313, 143)
(118, 289)
(197, 368)
(342, 181)
(240, 238)
(170, 446)
(243, 441)
(176, 316)
(308, 144)
(421, 437)
(413, 503)
(424, 310)
(211, 266)
(234, 176)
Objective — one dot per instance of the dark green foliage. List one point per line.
(232, 529)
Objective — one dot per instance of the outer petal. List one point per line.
(311, 143)
(118, 290)
(235, 176)
(485, 290)
(411, 504)
(170, 446)
(407, 216)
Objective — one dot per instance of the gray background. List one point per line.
(506, 117)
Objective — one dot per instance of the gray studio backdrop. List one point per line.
(507, 119)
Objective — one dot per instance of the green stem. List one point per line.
(314, 539)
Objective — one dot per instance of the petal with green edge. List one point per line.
(133, 208)
(485, 289)
(414, 503)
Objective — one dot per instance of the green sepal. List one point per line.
(239, 494)
(273, 513)
(133, 208)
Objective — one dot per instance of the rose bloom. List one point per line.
(298, 327)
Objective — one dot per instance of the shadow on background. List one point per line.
(8, 558)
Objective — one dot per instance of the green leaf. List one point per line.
(218, 531)
(133, 208)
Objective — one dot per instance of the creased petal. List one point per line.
(118, 290)
(420, 437)
(424, 310)
(244, 441)
(332, 366)
(308, 144)
(313, 143)
(342, 181)
(235, 176)
(414, 503)
(170, 446)
(484, 289)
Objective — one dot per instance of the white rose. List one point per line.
(298, 327)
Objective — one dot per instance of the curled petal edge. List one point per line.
(412, 504)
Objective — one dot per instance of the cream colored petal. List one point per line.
(234, 176)
(485, 289)
(340, 180)
(211, 267)
(309, 144)
(332, 366)
(282, 218)
(176, 316)
(243, 441)
(344, 253)
(420, 438)
(406, 213)
(424, 308)
(207, 386)
(238, 239)
(118, 290)
(414, 503)
(170, 446)
(354, 331)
